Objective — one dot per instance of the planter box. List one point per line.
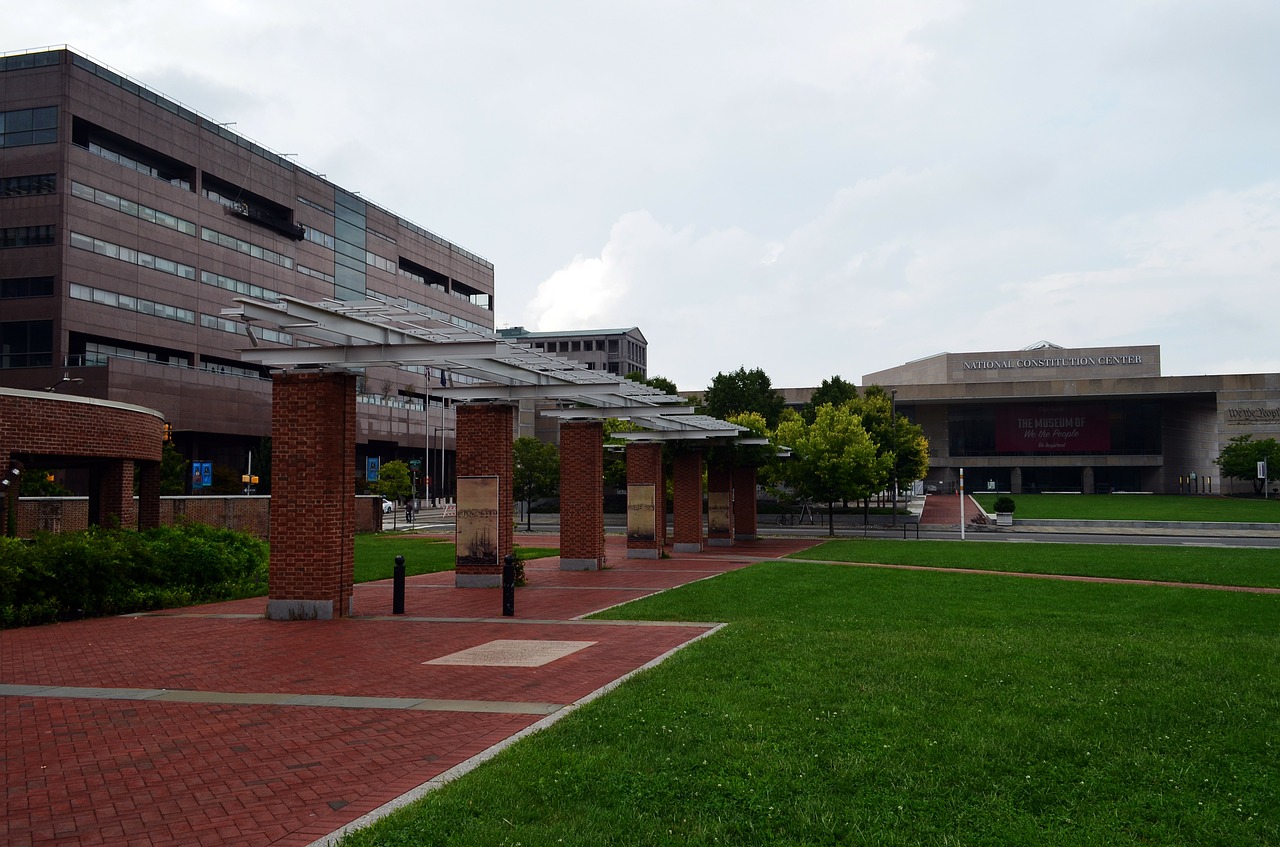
(1004, 518)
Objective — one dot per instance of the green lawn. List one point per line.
(1139, 507)
(1164, 563)
(883, 707)
(376, 553)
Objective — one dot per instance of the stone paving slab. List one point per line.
(212, 725)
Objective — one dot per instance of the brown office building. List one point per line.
(128, 223)
(1086, 420)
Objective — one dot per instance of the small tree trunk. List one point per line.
(831, 519)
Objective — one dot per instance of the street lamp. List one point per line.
(893, 426)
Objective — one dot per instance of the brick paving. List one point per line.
(213, 725)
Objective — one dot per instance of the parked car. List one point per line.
(387, 506)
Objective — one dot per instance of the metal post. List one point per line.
(962, 504)
(893, 425)
(397, 587)
(509, 585)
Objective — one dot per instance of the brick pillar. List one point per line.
(644, 468)
(719, 506)
(313, 472)
(115, 495)
(744, 504)
(149, 495)
(687, 481)
(582, 495)
(483, 443)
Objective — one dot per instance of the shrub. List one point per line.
(1004, 504)
(111, 571)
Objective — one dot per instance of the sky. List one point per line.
(812, 187)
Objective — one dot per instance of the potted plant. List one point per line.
(1004, 507)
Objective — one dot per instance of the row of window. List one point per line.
(239, 286)
(97, 353)
(138, 165)
(257, 251)
(26, 344)
(312, 272)
(132, 209)
(40, 235)
(28, 186)
(131, 256)
(131, 304)
(24, 127)
(26, 286)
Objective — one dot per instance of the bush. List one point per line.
(112, 571)
(1003, 504)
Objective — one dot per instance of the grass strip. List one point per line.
(1239, 566)
(880, 707)
(375, 555)
(1146, 507)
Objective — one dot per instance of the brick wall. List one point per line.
(313, 429)
(644, 467)
(582, 495)
(686, 478)
(484, 439)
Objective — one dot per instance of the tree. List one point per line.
(173, 471)
(1239, 459)
(393, 481)
(743, 391)
(834, 391)
(894, 434)
(832, 459)
(535, 472)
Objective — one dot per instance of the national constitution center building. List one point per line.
(128, 223)
(1098, 419)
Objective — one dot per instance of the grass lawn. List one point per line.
(1140, 507)
(1254, 567)
(376, 553)
(881, 707)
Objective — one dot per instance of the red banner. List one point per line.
(1053, 429)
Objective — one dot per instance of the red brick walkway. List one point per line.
(944, 510)
(212, 725)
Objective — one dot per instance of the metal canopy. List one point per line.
(482, 365)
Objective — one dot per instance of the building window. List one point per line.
(131, 256)
(27, 236)
(131, 304)
(132, 209)
(26, 286)
(26, 344)
(130, 155)
(238, 286)
(24, 127)
(96, 354)
(242, 246)
(237, 328)
(28, 186)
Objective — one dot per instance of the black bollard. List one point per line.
(397, 587)
(509, 585)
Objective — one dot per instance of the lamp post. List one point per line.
(438, 434)
(893, 426)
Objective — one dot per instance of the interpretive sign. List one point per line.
(641, 511)
(719, 512)
(477, 525)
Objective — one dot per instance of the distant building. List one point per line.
(1096, 419)
(615, 351)
(129, 222)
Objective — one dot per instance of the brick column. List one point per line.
(582, 495)
(115, 495)
(744, 504)
(644, 467)
(720, 500)
(483, 443)
(313, 472)
(687, 481)
(149, 495)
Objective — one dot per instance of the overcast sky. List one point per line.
(811, 187)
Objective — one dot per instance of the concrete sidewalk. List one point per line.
(212, 725)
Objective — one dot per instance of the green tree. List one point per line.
(894, 434)
(37, 482)
(536, 472)
(173, 471)
(1239, 459)
(393, 481)
(832, 459)
(834, 391)
(743, 391)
